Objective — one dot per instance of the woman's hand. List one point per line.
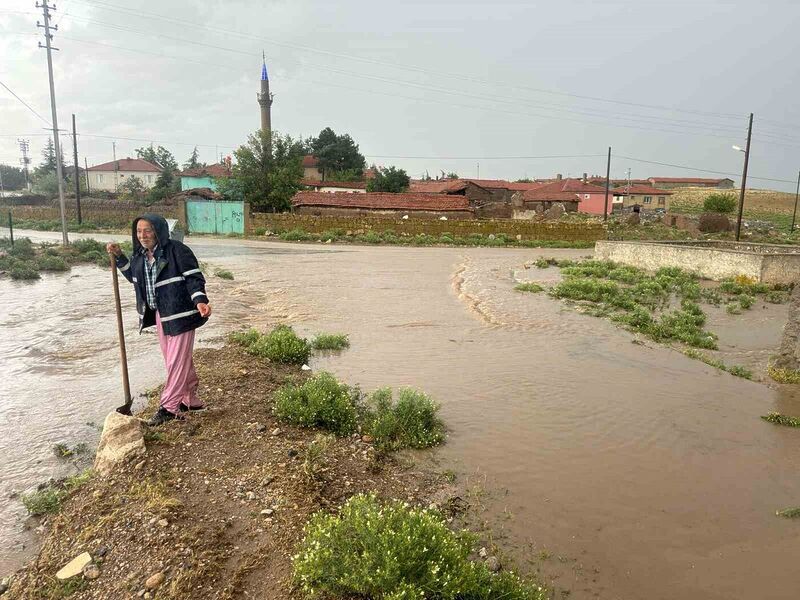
(205, 309)
(113, 248)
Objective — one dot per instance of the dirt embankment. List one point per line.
(218, 503)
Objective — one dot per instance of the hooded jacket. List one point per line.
(179, 284)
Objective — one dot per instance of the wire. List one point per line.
(28, 106)
(485, 157)
(663, 164)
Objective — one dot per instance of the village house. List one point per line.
(204, 177)
(354, 187)
(646, 197)
(575, 194)
(112, 175)
(380, 204)
(669, 183)
(311, 170)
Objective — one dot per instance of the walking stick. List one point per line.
(125, 409)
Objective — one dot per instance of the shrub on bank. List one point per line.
(281, 345)
(330, 341)
(321, 401)
(48, 499)
(529, 287)
(411, 422)
(391, 551)
(719, 203)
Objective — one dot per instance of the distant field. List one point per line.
(764, 205)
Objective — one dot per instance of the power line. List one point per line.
(28, 106)
(663, 164)
(485, 157)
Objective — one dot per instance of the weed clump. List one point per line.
(281, 344)
(321, 401)
(779, 419)
(411, 422)
(783, 375)
(529, 287)
(224, 274)
(789, 513)
(391, 551)
(330, 341)
(49, 498)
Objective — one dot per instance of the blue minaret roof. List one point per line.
(264, 76)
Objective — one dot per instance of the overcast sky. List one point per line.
(435, 85)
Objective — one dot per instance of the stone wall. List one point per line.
(527, 230)
(322, 211)
(763, 262)
(105, 213)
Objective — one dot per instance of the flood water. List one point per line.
(640, 472)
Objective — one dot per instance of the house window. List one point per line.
(149, 178)
(99, 178)
(121, 175)
(586, 196)
(647, 199)
(662, 201)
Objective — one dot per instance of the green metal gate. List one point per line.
(213, 216)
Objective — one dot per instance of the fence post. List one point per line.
(11, 228)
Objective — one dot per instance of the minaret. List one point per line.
(265, 99)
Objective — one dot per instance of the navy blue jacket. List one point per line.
(180, 286)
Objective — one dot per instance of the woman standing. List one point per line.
(170, 294)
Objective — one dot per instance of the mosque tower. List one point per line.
(265, 99)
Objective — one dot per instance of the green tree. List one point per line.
(13, 177)
(450, 175)
(719, 203)
(524, 180)
(133, 189)
(336, 153)
(269, 173)
(48, 164)
(230, 188)
(389, 180)
(159, 156)
(45, 184)
(193, 162)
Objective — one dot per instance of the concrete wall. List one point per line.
(109, 181)
(656, 201)
(717, 261)
(103, 213)
(189, 183)
(527, 230)
(321, 211)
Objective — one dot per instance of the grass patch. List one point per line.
(411, 422)
(789, 513)
(736, 370)
(779, 419)
(281, 344)
(154, 496)
(389, 550)
(321, 401)
(783, 375)
(330, 341)
(776, 297)
(63, 451)
(529, 287)
(224, 274)
(49, 499)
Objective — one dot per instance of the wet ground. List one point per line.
(622, 470)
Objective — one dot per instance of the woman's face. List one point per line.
(146, 234)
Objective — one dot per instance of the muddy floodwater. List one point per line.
(619, 470)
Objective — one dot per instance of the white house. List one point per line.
(111, 175)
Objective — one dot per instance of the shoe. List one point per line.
(161, 417)
(183, 408)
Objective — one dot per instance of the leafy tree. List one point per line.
(45, 183)
(48, 164)
(269, 170)
(193, 162)
(13, 177)
(389, 180)
(346, 175)
(524, 180)
(159, 156)
(720, 203)
(450, 175)
(336, 153)
(133, 189)
(230, 188)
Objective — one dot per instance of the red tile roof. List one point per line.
(686, 180)
(382, 201)
(217, 170)
(639, 190)
(358, 185)
(310, 161)
(561, 190)
(440, 186)
(127, 164)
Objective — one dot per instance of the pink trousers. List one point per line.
(181, 384)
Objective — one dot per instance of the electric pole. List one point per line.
(86, 172)
(608, 177)
(116, 165)
(744, 177)
(796, 197)
(77, 170)
(25, 146)
(59, 171)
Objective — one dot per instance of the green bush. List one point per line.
(775, 297)
(23, 249)
(24, 271)
(330, 341)
(586, 289)
(411, 422)
(52, 263)
(281, 345)
(590, 268)
(529, 287)
(321, 401)
(245, 338)
(746, 301)
(88, 245)
(223, 274)
(391, 551)
(720, 203)
(779, 419)
(48, 499)
(295, 235)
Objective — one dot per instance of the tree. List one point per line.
(45, 184)
(719, 203)
(13, 177)
(48, 164)
(269, 173)
(193, 162)
(133, 189)
(524, 180)
(159, 156)
(230, 188)
(336, 153)
(389, 180)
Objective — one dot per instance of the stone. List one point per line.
(555, 212)
(91, 571)
(305, 368)
(260, 428)
(267, 512)
(367, 439)
(482, 553)
(74, 567)
(493, 564)
(163, 523)
(276, 431)
(154, 581)
(122, 438)
(251, 496)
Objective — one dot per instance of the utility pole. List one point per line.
(86, 172)
(116, 166)
(77, 170)
(59, 172)
(796, 195)
(744, 178)
(479, 171)
(2, 190)
(25, 146)
(628, 189)
(608, 177)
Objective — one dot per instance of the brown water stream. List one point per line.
(644, 474)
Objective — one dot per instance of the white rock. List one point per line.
(122, 437)
(305, 368)
(74, 567)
